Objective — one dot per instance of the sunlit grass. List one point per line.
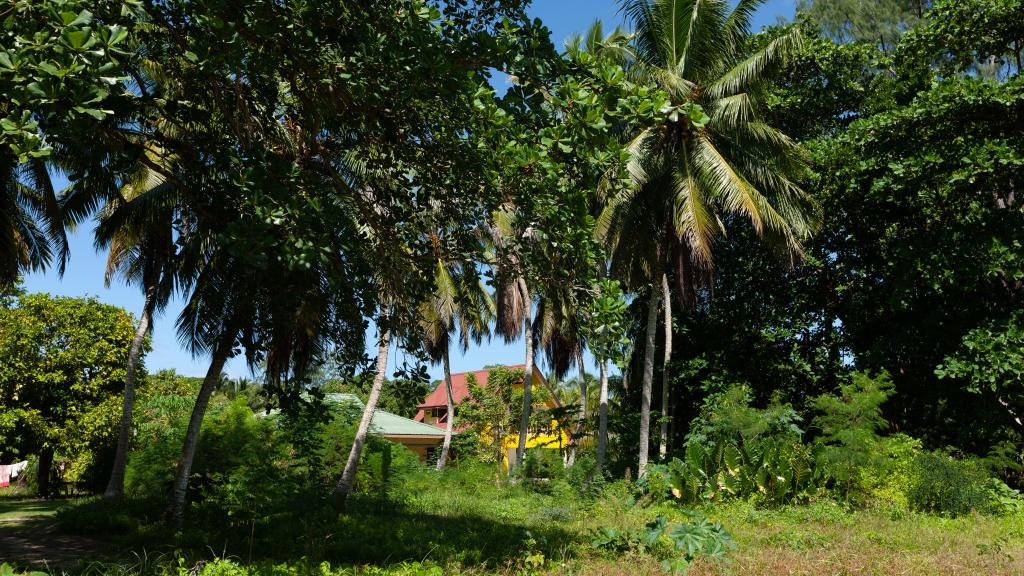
(24, 508)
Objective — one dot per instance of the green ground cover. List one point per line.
(463, 522)
(19, 509)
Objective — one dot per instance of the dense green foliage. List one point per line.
(916, 270)
(64, 362)
(801, 249)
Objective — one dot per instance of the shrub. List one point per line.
(237, 468)
(728, 416)
(675, 544)
(1002, 498)
(736, 450)
(773, 470)
(849, 424)
(948, 486)
(892, 471)
(656, 485)
(160, 424)
(1005, 460)
(542, 463)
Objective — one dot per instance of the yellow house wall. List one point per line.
(555, 440)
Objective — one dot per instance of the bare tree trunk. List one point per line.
(645, 393)
(115, 487)
(524, 421)
(176, 510)
(602, 417)
(667, 297)
(348, 476)
(451, 412)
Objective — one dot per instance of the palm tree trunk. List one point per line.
(581, 418)
(667, 297)
(176, 509)
(602, 417)
(451, 412)
(115, 487)
(524, 421)
(645, 393)
(348, 476)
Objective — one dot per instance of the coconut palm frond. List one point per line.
(693, 218)
(751, 71)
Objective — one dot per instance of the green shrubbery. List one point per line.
(262, 484)
(948, 486)
(737, 451)
(676, 544)
(251, 469)
(892, 470)
(848, 425)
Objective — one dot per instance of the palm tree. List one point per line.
(711, 158)
(210, 324)
(138, 229)
(513, 303)
(562, 341)
(348, 475)
(666, 297)
(393, 274)
(31, 219)
(459, 302)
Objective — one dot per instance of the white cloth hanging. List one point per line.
(18, 468)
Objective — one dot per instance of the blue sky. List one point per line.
(84, 274)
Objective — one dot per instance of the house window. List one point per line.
(435, 415)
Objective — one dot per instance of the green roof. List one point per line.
(386, 423)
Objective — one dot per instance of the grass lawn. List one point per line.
(456, 523)
(19, 509)
(825, 539)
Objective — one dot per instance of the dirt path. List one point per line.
(37, 541)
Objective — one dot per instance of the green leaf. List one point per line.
(78, 39)
(117, 35)
(97, 114)
(51, 68)
(84, 17)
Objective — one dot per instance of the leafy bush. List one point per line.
(849, 424)
(237, 469)
(1002, 498)
(249, 465)
(160, 424)
(1005, 460)
(775, 470)
(584, 476)
(735, 450)
(892, 472)
(728, 416)
(656, 485)
(541, 463)
(677, 545)
(948, 486)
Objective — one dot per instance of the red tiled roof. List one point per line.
(460, 390)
